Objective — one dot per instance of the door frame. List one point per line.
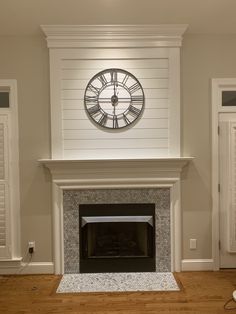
(217, 86)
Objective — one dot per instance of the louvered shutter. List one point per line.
(232, 201)
(4, 213)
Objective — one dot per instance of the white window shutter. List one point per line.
(232, 203)
(4, 195)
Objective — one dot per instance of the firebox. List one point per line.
(117, 237)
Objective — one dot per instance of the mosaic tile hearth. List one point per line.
(117, 282)
(158, 196)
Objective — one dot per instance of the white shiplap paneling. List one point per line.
(148, 137)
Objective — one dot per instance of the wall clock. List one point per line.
(114, 99)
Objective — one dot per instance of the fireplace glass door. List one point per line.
(111, 242)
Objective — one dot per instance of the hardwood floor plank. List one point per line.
(201, 293)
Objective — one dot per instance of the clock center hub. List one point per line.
(114, 100)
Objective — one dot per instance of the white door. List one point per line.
(227, 189)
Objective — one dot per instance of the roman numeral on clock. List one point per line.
(126, 120)
(133, 111)
(94, 109)
(115, 122)
(137, 100)
(134, 88)
(102, 79)
(103, 119)
(94, 89)
(91, 99)
(125, 79)
(113, 76)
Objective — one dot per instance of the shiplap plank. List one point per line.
(115, 153)
(119, 143)
(149, 103)
(149, 93)
(146, 83)
(148, 113)
(109, 134)
(159, 63)
(139, 73)
(141, 124)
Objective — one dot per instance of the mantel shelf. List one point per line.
(116, 170)
(158, 162)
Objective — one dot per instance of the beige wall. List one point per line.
(203, 58)
(26, 59)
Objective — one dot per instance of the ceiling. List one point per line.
(24, 17)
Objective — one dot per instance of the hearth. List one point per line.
(117, 237)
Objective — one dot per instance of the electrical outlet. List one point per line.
(31, 247)
(193, 244)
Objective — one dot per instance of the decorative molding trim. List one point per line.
(197, 264)
(19, 268)
(217, 85)
(13, 246)
(98, 174)
(88, 36)
(5, 263)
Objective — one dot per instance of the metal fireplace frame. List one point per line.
(128, 212)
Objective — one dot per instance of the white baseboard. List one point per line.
(197, 264)
(30, 268)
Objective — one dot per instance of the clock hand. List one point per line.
(120, 100)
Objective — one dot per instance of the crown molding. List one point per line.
(113, 36)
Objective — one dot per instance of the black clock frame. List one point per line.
(108, 79)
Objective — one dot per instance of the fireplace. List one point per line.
(117, 237)
(77, 182)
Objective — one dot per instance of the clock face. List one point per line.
(114, 99)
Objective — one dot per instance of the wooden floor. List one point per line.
(201, 292)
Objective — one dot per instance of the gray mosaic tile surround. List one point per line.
(73, 198)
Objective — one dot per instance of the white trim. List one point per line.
(14, 190)
(217, 86)
(24, 268)
(215, 175)
(104, 174)
(90, 36)
(174, 102)
(197, 264)
(55, 99)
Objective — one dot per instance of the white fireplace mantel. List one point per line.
(111, 174)
(119, 171)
